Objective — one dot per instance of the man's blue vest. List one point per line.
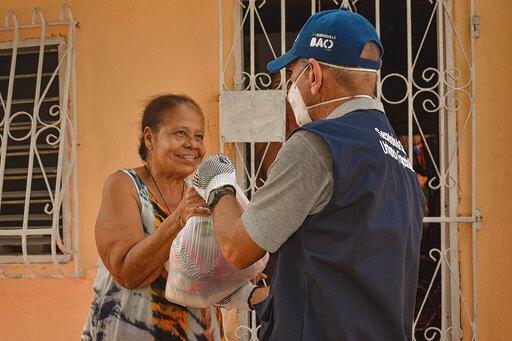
(350, 271)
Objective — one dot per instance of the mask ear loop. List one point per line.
(300, 75)
(302, 72)
(288, 83)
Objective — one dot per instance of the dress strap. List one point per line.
(145, 196)
(142, 190)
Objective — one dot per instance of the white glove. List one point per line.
(214, 172)
(238, 299)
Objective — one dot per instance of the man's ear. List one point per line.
(316, 76)
(148, 138)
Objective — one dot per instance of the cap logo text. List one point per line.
(321, 40)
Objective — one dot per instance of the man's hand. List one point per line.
(259, 295)
(215, 172)
(259, 277)
(245, 297)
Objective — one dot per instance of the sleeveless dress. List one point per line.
(117, 313)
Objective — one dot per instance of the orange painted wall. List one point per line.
(494, 169)
(42, 309)
(127, 51)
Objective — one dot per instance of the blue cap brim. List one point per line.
(281, 62)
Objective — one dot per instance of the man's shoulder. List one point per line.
(304, 139)
(305, 151)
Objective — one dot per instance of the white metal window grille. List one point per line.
(428, 88)
(38, 189)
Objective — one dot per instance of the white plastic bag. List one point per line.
(199, 275)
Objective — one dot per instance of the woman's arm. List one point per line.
(133, 259)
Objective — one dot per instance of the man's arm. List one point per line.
(299, 184)
(236, 245)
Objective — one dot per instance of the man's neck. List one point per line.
(323, 111)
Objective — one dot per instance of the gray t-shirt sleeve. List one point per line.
(299, 184)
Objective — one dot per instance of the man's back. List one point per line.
(350, 271)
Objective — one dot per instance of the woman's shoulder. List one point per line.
(122, 180)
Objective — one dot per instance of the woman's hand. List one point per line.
(191, 205)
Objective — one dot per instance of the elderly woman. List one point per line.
(142, 211)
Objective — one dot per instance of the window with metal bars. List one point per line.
(30, 129)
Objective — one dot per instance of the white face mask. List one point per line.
(300, 110)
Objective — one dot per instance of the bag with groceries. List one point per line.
(199, 275)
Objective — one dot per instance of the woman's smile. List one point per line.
(192, 157)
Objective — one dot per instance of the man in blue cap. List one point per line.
(342, 206)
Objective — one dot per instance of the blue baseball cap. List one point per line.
(335, 37)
